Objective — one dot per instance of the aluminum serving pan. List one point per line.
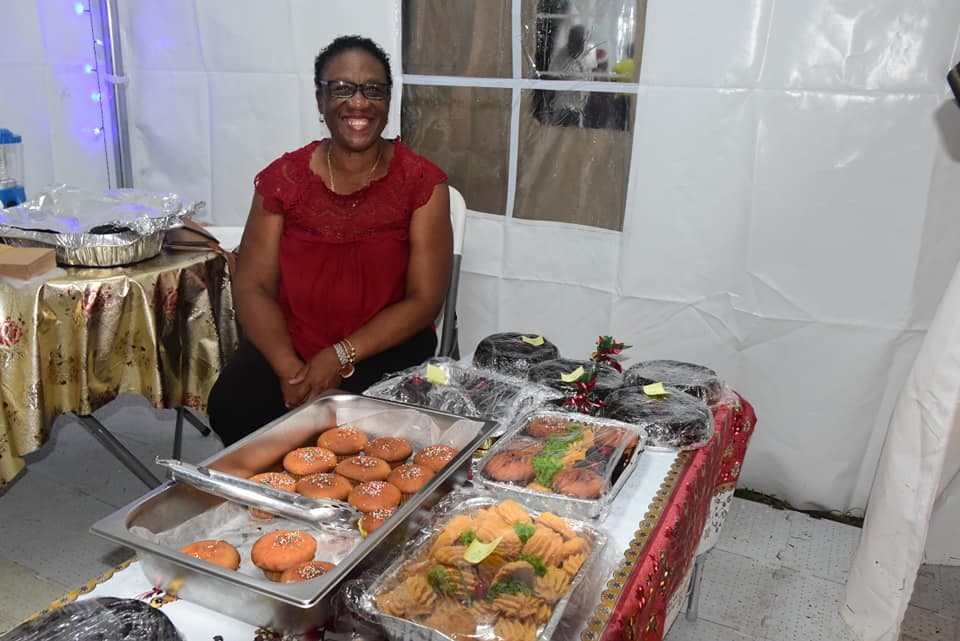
(410, 563)
(613, 464)
(292, 607)
(118, 227)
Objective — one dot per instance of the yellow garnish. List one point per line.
(655, 389)
(477, 550)
(436, 375)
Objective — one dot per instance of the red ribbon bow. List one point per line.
(607, 350)
(582, 400)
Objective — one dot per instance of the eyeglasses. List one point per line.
(344, 90)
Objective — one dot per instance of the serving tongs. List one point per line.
(321, 513)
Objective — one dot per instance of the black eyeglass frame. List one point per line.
(363, 87)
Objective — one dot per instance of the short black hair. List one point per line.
(346, 43)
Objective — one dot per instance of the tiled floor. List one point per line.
(774, 575)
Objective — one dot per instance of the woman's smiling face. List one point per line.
(355, 123)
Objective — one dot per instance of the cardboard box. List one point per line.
(26, 262)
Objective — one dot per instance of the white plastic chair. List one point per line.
(449, 345)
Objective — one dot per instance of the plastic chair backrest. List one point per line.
(448, 345)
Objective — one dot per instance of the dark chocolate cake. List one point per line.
(100, 619)
(676, 421)
(509, 353)
(691, 378)
(549, 372)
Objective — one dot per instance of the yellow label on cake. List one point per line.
(478, 551)
(573, 376)
(536, 341)
(655, 390)
(436, 375)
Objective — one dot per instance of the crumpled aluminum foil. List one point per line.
(117, 227)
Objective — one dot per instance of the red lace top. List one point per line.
(343, 258)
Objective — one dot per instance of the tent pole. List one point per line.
(110, 26)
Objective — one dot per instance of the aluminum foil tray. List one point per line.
(615, 465)
(292, 607)
(118, 227)
(401, 629)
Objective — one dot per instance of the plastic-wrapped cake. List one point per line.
(674, 421)
(443, 384)
(101, 619)
(691, 378)
(513, 354)
(414, 388)
(551, 373)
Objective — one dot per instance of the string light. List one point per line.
(80, 8)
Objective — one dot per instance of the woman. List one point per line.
(345, 257)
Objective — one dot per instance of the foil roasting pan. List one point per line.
(117, 227)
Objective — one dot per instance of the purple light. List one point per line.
(79, 8)
(95, 96)
(97, 131)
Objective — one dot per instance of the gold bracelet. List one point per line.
(347, 356)
(351, 350)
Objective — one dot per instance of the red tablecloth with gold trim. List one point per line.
(634, 604)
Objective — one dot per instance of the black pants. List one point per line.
(247, 394)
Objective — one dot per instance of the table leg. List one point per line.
(183, 412)
(115, 447)
(693, 604)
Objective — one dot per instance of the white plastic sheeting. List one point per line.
(791, 216)
(920, 459)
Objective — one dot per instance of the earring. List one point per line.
(321, 119)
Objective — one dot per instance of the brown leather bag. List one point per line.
(194, 237)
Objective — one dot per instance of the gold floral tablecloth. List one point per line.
(162, 328)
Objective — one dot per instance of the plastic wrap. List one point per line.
(550, 373)
(672, 421)
(569, 464)
(696, 380)
(517, 588)
(118, 227)
(100, 619)
(512, 353)
(466, 391)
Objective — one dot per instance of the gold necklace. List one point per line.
(376, 164)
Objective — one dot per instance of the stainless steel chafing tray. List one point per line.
(292, 607)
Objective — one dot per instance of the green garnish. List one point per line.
(550, 460)
(524, 531)
(467, 537)
(539, 567)
(510, 586)
(439, 580)
(546, 467)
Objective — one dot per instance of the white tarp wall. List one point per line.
(45, 93)
(791, 218)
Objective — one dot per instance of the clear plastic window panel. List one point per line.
(466, 132)
(462, 38)
(569, 168)
(582, 39)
